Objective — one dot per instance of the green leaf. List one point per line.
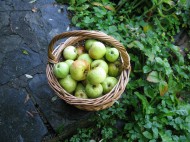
(163, 87)
(176, 51)
(146, 69)
(155, 132)
(112, 29)
(153, 77)
(166, 136)
(88, 20)
(25, 52)
(147, 134)
(146, 106)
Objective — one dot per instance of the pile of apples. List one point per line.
(89, 70)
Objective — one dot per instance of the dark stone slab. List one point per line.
(57, 17)
(19, 120)
(58, 113)
(5, 5)
(4, 18)
(20, 26)
(17, 63)
(22, 5)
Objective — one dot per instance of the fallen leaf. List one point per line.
(27, 98)
(34, 9)
(68, 28)
(32, 1)
(29, 113)
(28, 76)
(25, 52)
(54, 98)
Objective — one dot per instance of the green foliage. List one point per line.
(151, 108)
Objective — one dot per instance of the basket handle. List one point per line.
(90, 34)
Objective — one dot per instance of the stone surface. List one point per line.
(19, 120)
(22, 63)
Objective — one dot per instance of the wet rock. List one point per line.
(20, 27)
(17, 63)
(22, 5)
(5, 5)
(58, 113)
(4, 18)
(19, 120)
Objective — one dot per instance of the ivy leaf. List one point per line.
(153, 77)
(147, 134)
(163, 88)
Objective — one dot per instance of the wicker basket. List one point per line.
(72, 38)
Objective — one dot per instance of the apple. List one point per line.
(80, 50)
(94, 91)
(69, 62)
(80, 87)
(99, 63)
(108, 84)
(88, 43)
(79, 69)
(97, 50)
(112, 54)
(81, 94)
(85, 57)
(70, 52)
(114, 69)
(96, 76)
(68, 84)
(61, 70)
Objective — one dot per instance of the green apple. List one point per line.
(61, 70)
(97, 50)
(85, 57)
(88, 43)
(99, 63)
(114, 69)
(69, 62)
(112, 54)
(80, 50)
(94, 91)
(108, 84)
(80, 86)
(70, 52)
(96, 76)
(79, 69)
(68, 84)
(81, 94)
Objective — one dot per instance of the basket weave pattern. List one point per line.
(73, 37)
